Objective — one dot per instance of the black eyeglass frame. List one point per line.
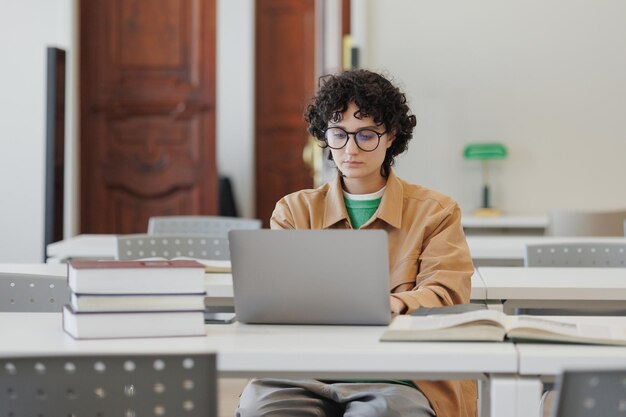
(380, 135)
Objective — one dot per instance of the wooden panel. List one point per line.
(285, 83)
(147, 44)
(148, 112)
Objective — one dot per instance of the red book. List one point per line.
(136, 277)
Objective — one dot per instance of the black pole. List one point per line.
(486, 196)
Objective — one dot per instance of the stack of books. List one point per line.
(118, 299)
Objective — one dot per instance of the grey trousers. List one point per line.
(310, 398)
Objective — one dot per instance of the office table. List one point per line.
(540, 363)
(485, 250)
(83, 246)
(575, 288)
(511, 250)
(534, 225)
(493, 250)
(333, 352)
(219, 287)
(502, 250)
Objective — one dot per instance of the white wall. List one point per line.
(235, 99)
(26, 29)
(547, 78)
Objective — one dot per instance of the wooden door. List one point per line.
(147, 112)
(285, 82)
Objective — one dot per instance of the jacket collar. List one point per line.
(390, 209)
(335, 208)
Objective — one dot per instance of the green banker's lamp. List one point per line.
(485, 152)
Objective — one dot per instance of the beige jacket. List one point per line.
(430, 263)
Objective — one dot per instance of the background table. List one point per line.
(511, 250)
(219, 287)
(583, 289)
(534, 225)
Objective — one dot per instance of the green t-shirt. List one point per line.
(360, 211)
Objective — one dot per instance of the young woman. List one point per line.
(366, 122)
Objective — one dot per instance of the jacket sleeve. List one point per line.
(282, 217)
(444, 266)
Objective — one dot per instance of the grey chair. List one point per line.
(33, 293)
(579, 223)
(609, 255)
(172, 246)
(591, 393)
(199, 225)
(128, 386)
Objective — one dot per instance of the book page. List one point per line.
(547, 329)
(548, 325)
(491, 317)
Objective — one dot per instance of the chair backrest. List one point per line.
(610, 255)
(576, 223)
(172, 246)
(33, 293)
(199, 225)
(591, 393)
(129, 386)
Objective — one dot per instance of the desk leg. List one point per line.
(513, 396)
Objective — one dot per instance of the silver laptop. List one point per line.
(310, 276)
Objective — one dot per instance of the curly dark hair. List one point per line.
(374, 95)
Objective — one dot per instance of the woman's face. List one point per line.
(361, 169)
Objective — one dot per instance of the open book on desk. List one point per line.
(492, 325)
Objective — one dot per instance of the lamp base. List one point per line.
(487, 212)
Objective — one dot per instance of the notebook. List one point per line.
(310, 276)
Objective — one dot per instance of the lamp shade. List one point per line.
(485, 151)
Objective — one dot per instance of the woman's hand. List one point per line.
(397, 306)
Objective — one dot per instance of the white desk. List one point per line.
(219, 287)
(544, 362)
(83, 246)
(59, 270)
(511, 250)
(483, 248)
(505, 225)
(579, 288)
(289, 351)
(508, 250)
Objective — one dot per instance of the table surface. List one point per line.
(481, 247)
(519, 283)
(514, 247)
(246, 350)
(513, 221)
(216, 285)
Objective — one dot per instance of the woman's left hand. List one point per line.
(397, 306)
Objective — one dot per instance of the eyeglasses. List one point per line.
(366, 139)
